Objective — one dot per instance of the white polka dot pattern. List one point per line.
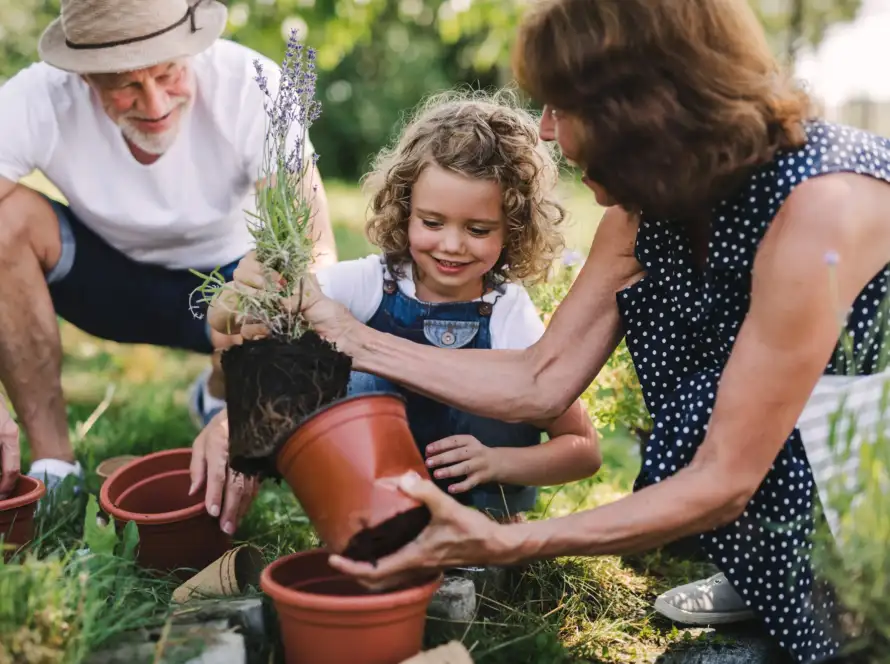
(681, 325)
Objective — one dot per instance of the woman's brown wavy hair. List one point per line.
(480, 135)
(676, 101)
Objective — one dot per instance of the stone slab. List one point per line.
(182, 643)
(454, 600)
(736, 644)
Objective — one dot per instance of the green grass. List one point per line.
(131, 399)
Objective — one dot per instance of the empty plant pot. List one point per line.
(328, 618)
(108, 466)
(17, 514)
(175, 532)
(343, 465)
(227, 576)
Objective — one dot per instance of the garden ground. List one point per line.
(59, 606)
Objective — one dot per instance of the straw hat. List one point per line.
(111, 36)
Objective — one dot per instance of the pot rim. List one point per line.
(130, 459)
(35, 493)
(141, 518)
(285, 437)
(339, 603)
(352, 397)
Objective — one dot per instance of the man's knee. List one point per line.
(29, 222)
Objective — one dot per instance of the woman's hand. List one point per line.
(10, 458)
(456, 536)
(463, 455)
(330, 319)
(229, 494)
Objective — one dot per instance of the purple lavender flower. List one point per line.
(294, 103)
(571, 257)
(260, 78)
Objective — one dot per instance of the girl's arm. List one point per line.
(539, 383)
(571, 454)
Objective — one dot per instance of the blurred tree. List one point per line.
(378, 58)
(791, 24)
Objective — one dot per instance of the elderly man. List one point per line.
(153, 129)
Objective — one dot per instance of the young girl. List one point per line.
(463, 210)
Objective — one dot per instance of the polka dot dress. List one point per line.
(681, 325)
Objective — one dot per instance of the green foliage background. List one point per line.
(379, 57)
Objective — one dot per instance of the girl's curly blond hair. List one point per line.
(479, 135)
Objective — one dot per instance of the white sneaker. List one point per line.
(202, 405)
(53, 471)
(711, 601)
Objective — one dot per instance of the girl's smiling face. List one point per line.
(456, 233)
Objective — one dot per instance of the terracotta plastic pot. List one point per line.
(175, 531)
(328, 618)
(108, 466)
(343, 465)
(17, 514)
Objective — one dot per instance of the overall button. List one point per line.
(389, 287)
(448, 338)
(484, 309)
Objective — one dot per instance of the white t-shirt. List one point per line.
(358, 284)
(185, 210)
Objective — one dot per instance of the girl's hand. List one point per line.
(252, 277)
(249, 278)
(457, 456)
(456, 536)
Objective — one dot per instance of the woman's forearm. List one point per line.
(512, 391)
(566, 458)
(536, 385)
(533, 385)
(688, 503)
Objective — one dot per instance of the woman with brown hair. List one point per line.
(740, 232)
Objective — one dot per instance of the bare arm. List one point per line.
(572, 453)
(535, 384)
(782, 349)
(6, 187)
(322, 230)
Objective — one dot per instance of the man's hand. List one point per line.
(462, 455)
(10, 457)
(210, 461)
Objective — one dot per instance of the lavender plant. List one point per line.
(282, 224)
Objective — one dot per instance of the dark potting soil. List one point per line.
(371, 544)
(272, 386)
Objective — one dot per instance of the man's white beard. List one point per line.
(156, 143)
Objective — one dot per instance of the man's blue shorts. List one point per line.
(104, 293)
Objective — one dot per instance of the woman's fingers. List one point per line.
(456, 536)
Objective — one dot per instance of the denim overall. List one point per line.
(449, 325)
